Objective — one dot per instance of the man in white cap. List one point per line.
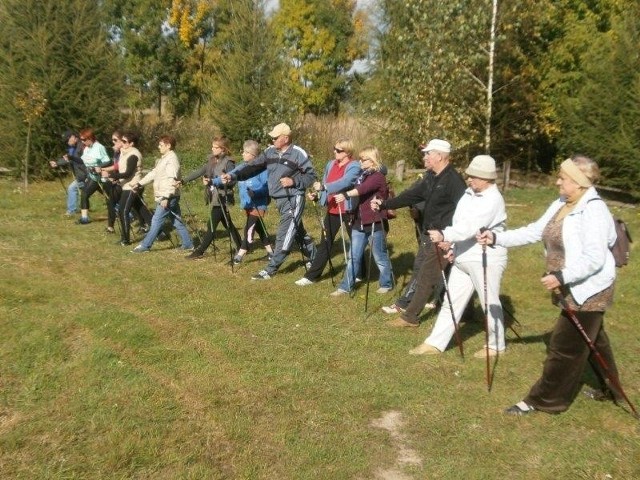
(440, 189)
(481, 206)
(290, 174)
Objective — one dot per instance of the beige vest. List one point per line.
(122, 167)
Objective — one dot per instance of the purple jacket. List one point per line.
(369, 184)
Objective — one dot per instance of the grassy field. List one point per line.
(121, 366)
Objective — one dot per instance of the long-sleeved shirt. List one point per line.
(474, 211)
(588, 232)
(440, 194)
(293, 163)
(164, 175)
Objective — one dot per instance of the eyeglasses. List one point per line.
(338, 150)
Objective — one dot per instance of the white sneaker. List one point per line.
(303, 282)
(392, 309)
(383, 290)
(338, 292)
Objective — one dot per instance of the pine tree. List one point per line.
(60, 49)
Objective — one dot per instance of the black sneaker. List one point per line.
(195, 255)
(124, 243)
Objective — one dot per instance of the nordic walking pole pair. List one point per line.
(326, 240)
(611, 377)
(436, 251)
(226, 218)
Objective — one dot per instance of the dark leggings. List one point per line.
(107, 190)
(219, 216)
(254, 224)
(130, 200)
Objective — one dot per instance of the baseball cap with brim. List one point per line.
(280, 129)
(438, 145)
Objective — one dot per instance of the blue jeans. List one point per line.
(157, 222)
(72, 196)
(359, 239)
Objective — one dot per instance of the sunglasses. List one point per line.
(338, 150)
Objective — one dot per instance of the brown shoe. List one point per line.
(482, 353)
(401, 322)
(424, 349)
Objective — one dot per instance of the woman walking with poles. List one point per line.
(367, 223)
(129, 172)
(577, 231)
(340, 174)
(254, 196)
(94, 156)
(218, 163)
(481, 206)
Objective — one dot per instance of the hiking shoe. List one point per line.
(140, 249)
(482, 353)
(110, 230)
(383, 290)
(402, 323)
(519, 409)
(303, 282)
(83, 221)
(261, 275)
(338, 293)
(424, 349)
(600, 395)
(124, 243)
(143, 229)
(195, 255)
(237, 260)
(391, 309)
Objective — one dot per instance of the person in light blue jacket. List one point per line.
(254, 197)
(340, 175)
(577, 231)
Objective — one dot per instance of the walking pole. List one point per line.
(326, 242)
(296, 225)
(344, 247)
(613, 379)
(486, 314)
(366, 296)
(225, 216)
(55, 169)
(196, 233)
(446, 291)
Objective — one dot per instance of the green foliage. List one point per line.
(67, 57)
(246, 89)
(601, 117)
(319, 41)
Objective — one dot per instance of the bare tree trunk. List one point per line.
(492, 47)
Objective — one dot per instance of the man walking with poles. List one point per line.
(440, 189)
(290, 174)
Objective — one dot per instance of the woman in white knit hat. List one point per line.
(481, 206)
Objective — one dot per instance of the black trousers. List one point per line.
(253, 225)
(218, 215)
(129, 201)
(331, 227)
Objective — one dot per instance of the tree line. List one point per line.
(562, 76)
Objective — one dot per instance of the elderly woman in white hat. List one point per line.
(481, 206)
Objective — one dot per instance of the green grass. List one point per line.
(119, 366)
